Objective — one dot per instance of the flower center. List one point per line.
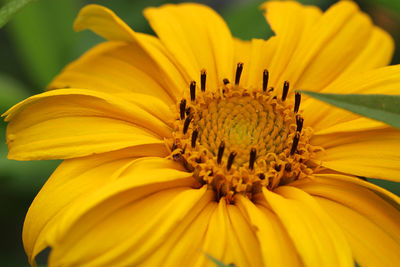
(238, 141)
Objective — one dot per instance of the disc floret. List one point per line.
(237, 141)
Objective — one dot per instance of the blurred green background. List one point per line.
(39, 41)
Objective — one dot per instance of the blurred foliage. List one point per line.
(39, 41)
(10, 9)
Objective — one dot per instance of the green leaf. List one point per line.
(385, 108)
(10, 9)
(219, 263)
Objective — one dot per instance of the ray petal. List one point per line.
(69, 123)
(71, 182)
(372, 154)
(370, 245)
(271, 235)
(143, 224)
(198, 38)
(317, 238)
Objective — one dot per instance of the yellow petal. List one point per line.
(377, 53)
(383, 193)
(372, 154)
(244, 246)
(322, 117)
(71, 181)
(332, 44)
(314, 48)
(359, 199)
(217, 229)
(73, 123)
(271, 235)
(104, 22)
(149, 55)
(317, 238)
(122, 69)
(128, 233)
(198, 38)
(370, 245)
(290, 21)
(183, 245)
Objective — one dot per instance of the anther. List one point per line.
(297, 99)
(226, 81)
(261, 176)
(239, 70)
(182, 108)
(285, 90)
(265, 80)
(193, 91)
(194, 138)
(188, 111)
(203, 76)
(299, 122)
(230, 160)
(220, 152)
(186, 123)
(295, 143)
(174, 146)
(270, 89)
(253, 153)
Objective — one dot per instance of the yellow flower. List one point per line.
(195, 143)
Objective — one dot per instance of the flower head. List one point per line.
(194, 142)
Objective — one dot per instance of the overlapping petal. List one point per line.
(72, 181)
(201, 40)
(314, 48)
(291, 23)
(370, 245)
(141, 56)
(271, 234)
(372, 154)
(73, 123)
(319, 241)
(131, 183)
(359, 199)
(156, 215)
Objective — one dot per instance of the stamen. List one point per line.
(285, 90)
(299, 122)
(182, 108)
(220, 152)
(239, 70)
(230, 160)
(193, 91)
(253, 153)
(194, 138)
(297, 99)
(186, 123)
(188, 111)
(226, 81)
(174, 146)
(265, 80)
(295, 143)
(203, 76)
(270, 89)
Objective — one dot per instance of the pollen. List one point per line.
(237, 140)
